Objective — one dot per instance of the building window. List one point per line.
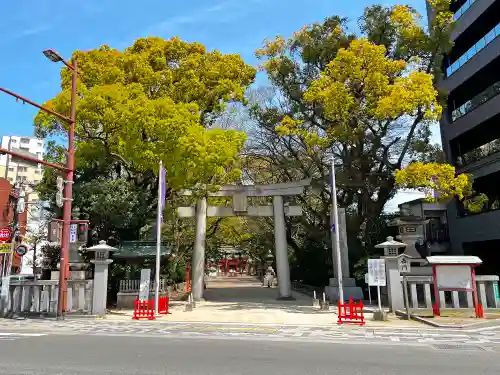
(476, 101)
(38, 171)
(11, 179)
(463, 9)
(11, 169)
(478, 46)
(25, 140)
(479, 153)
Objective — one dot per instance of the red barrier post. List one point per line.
(163, 305)
(351, 312)
(144, 310)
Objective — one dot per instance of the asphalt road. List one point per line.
(127, 355)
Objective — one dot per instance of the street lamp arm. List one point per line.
(4, 151)
(45, 109)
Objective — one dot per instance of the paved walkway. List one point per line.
(243, 300)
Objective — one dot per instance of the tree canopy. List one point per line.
(156, 100)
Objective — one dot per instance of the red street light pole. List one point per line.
(69, 169)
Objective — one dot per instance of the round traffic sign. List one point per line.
(5, 234)
(21, 250)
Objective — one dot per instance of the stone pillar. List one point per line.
(282, 265)
(198, 266)
(344, 250)
(100, 292)
(394, 285)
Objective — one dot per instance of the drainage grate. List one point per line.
(457, 347)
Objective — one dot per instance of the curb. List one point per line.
(482, 324)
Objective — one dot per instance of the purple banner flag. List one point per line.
(163, 190)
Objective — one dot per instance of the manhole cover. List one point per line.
(457, 347)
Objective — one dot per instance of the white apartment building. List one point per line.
(16, 170)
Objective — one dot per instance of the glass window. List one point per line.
(490, 36)
(471, 53)
(463, 59)
(480, 45)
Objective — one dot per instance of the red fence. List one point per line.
(163, 305)
(144, 310)
(351, 313)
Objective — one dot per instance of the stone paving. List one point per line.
(242, 299)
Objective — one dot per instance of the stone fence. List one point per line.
(421, 294)
(128, 291)
(39, 298)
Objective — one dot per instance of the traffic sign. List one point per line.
(376, 272)
(21, 250)
(5, 234)
(5, 248)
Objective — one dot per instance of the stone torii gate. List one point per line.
(239, 207)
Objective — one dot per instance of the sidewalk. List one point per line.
(242, 300)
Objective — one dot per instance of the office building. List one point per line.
(470, 125)
(18, 171)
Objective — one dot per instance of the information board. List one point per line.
(145, 282)
(456, 277)
(376, 272)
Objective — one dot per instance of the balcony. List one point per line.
(473, 10)
(473, 61)
(464, 8)
(477, 227)
(476, 101)
(474, 50)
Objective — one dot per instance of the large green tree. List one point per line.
(157, 100)
(366, 101)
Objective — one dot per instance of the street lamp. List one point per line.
(52, 55)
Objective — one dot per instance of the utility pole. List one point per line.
(68, 169)
(335, 234)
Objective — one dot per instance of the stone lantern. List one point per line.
(391, 247)
(411, 230)
(393, 262)
(101, 263)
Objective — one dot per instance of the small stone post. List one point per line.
(100, 292)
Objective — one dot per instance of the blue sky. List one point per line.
(238, 26)
(29, 26)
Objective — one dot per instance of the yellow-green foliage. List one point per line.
(156, 101)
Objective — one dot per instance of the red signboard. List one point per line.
(5, 234)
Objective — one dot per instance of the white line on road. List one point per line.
(22, 334)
